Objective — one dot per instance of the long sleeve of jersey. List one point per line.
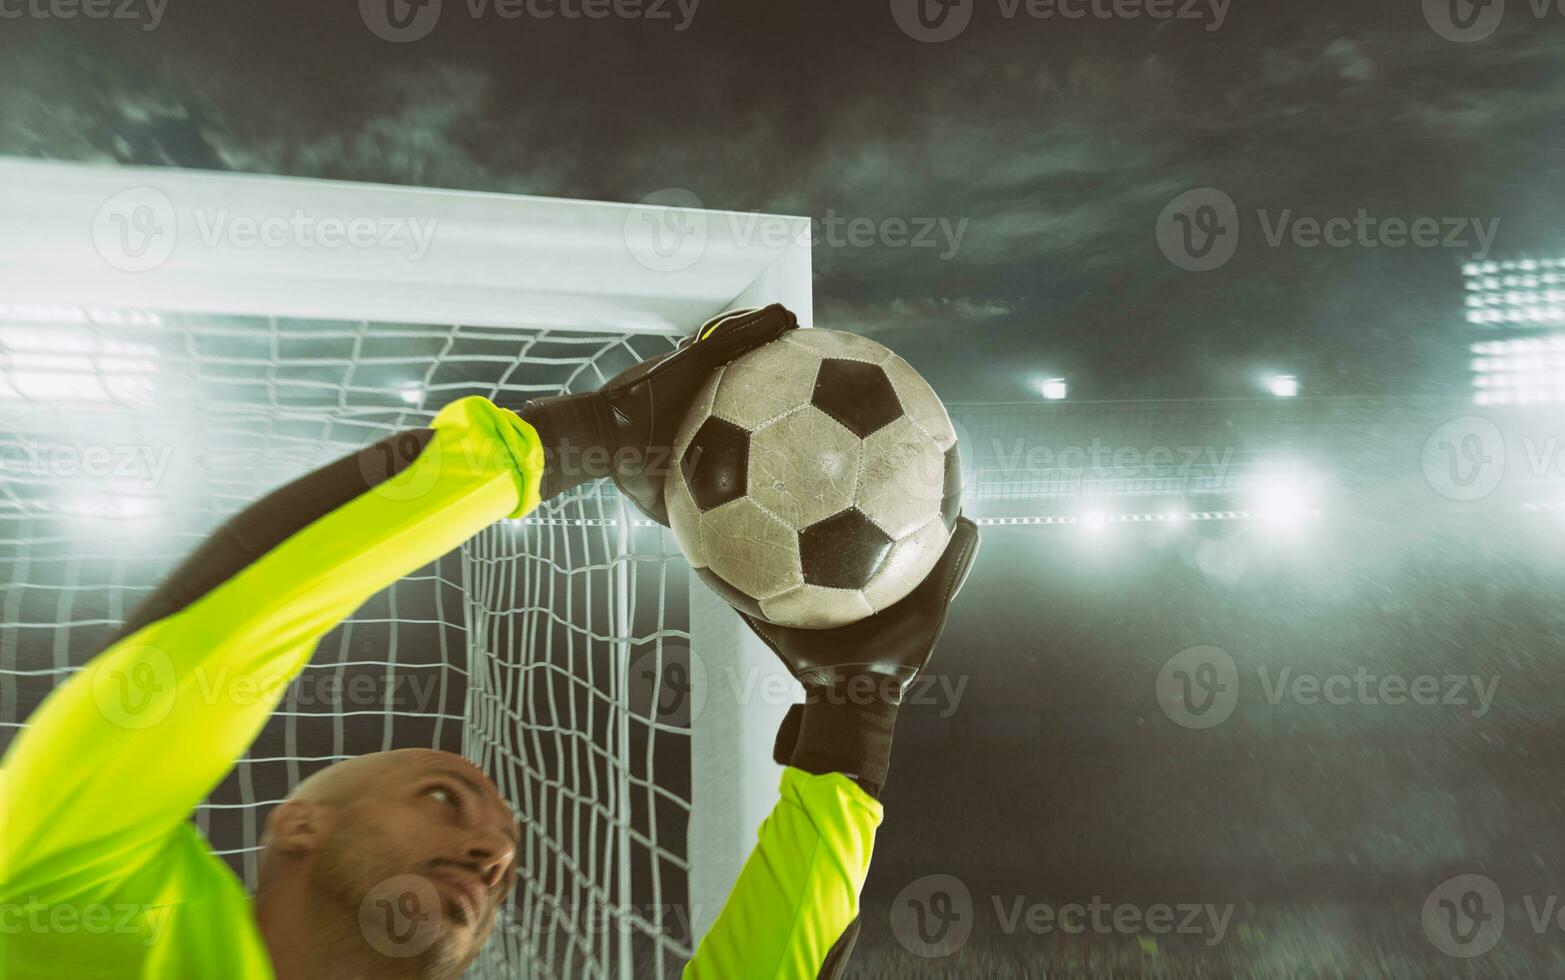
(799, 890)
(96, 792)
(102, 874)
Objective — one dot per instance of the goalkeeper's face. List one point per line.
(416, 828)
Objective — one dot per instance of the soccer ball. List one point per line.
(815, 480)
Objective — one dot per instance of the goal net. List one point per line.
(131, 436)
(141, 410)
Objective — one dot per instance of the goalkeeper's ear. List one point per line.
(294, 830)
(296, 826)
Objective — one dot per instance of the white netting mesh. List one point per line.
(541, 649)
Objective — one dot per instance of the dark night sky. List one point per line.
(1057, 143)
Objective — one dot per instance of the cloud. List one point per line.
(898, 315)
(1056, 146)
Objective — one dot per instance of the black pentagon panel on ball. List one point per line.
(715, 463)
(843, 551)
(951, 499)
(728, 593)
(856, 394)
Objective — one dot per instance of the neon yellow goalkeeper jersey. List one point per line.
(101, 872)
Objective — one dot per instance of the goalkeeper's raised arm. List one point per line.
(101, 872)
(794, 910)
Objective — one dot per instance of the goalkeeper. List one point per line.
(394, 864)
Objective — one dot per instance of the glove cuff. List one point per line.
(832, 732)
(574, 451)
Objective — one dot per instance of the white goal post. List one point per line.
(200, 338)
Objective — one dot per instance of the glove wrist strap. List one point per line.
(574, 451)
(833, 733)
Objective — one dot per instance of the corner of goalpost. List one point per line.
(178, 342)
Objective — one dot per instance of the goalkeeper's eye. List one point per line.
(445, 795)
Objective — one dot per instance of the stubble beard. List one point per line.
(350, 865)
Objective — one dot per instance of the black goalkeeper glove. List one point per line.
(626, 429)
(854, 676)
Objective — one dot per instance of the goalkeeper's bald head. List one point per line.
(401, 858)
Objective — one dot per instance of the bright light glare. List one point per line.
(1283, 385)
(1094, 520)
(56, 313)
(1521, 371)
(1521, 345)
(412, 394)
(1282, 502)
(65, 364)
(114, 507)
(1054, 389)
(1525, 292)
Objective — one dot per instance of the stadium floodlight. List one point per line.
(1094, 520)
(1283, 385)
(1054, 389)
(1519, 292)
(558, 641)
(1542, 378)
(1519, 371)
(1282, 500)
(1167, 517)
